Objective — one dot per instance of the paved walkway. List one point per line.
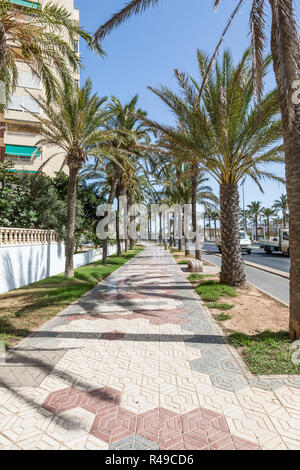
(137, 364)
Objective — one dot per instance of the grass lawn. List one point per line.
(25, 309)
(212, 291)
(222, 317)
(267, 353)
(219, 306)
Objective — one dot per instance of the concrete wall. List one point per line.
(21, 265)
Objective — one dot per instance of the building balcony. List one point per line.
(27, 4)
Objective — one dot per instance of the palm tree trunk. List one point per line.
(2, 133)
(187, 247)
(194, 214)
(71, 202)
(160, 228)
(112, 195)
(284, 65)
(119, 246)
(232, 270)
(132, 219)
(256, 227)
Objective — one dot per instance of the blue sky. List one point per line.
(145, 50)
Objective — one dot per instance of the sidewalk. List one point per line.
(137, 364)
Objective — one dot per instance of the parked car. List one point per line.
(245, 243)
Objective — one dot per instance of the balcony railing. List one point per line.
(26, 236)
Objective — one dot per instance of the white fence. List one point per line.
(26, 236)
(23, 263)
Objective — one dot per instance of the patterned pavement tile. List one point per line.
(113, 424)
(134, 442)
(137, 364)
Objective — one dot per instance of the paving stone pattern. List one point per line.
(137, 364)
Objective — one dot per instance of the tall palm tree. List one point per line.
(281, 204)
(285, 51)
(73, 123)
(43, 39)
(129, 137)
(215, 215)
(268, 213)
(255, 209)
(241, 141)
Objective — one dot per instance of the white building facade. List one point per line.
(20, 147)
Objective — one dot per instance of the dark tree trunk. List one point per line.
(187, 247)
(112, 195)
(194, 214)
(132, 219)
(119, 245)
(256, 227)
(285, 64)
(232, 270)
(160, 228)
(209, 227)
(2, 133)
(70, 229)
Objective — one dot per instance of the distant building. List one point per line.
(20, 146)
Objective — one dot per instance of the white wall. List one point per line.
(21, 265)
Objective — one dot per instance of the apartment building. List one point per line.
(20, 147)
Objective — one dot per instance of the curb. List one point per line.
(258, 288)
(276, 272)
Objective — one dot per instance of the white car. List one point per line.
(245, 243)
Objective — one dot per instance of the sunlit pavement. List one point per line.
(137, 364)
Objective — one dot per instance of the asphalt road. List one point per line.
(258, 256)
(276, 286)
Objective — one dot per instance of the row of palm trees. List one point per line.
(220, 132)
(284, 43)
(256, 213)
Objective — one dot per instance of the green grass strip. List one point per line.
(25, 309)
(266, 353)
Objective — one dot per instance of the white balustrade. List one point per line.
(26, 236)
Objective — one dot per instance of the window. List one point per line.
(76, 46)
(29, 80)
(23, 152)
(286, 236)
(19, 102)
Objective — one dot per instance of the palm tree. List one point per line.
(129, 137)
(281, 204)
(36, 37)
(286, 63)
(215, 215)
(231, 138)
(255, 209)
(73, 123)
(268, 213)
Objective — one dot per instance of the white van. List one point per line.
(245, 243)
